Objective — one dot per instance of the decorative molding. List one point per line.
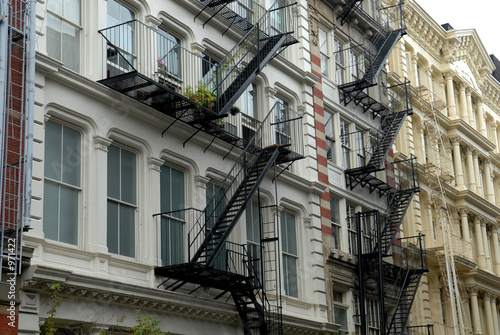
(102, 143)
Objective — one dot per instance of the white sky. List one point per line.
(482, 15)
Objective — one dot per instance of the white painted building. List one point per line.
(104, 165)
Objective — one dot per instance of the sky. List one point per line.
(482, 15)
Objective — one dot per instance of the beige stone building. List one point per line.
(454, 132)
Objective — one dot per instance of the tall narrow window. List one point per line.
(330, 137)
(121, 201)
(290, 254)
(253, 237)
(281, 117)
(216, 203)
(335, 218)
(63, 32)
(351, 229)
(340, 311)
(173, 233)
(354, 63)
(323, 49)
(169, 59)
(373, 316)
(62, 167)
(346, 144)
(339, 62)
(122, 36)
(249, 122)
(360, 148)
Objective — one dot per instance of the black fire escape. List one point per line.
(164, 78)
(392, 264)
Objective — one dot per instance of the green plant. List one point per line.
(49, 327)
(145, 325)
(234, 110)
(201, 95)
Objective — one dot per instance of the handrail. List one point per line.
(264, 136)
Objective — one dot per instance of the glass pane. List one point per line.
(127, 231)
(72, 10)
(128, 176)
(55, 6)
(177, 189)
(114, 172)
(334, 210)
(177, 242)
(291, 239)
(54, 37)
(165, 189)
(341, 317)
(51, 210)
(69, 215)
(165, 241)
(112, 222)
(323, 46)
(290, 275)
(71, 156)
(71, 51)
(113, 13)
(53, 144)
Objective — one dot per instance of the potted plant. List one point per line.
(201, 96)
(234, 110)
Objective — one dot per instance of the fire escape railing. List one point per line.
(282, 127)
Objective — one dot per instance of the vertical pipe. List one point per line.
(30, 109)
(361, 269)
(4, 40)
(381, 276)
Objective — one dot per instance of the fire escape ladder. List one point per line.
(252, 313)
(348, 9)
(416, 266)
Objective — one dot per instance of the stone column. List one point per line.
(489, 192)
(470, 111)
(480, 115)
(459, 174)
(487, 309)
(98, 192)
(476, 319)
(462, 103)
(478, 234)
(152, 232)
(450, 96)
(465, 223)
(477, 172)
(496, 249)
(486, 247)
(494, 312)
(471, 170)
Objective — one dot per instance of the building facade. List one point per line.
(152, 191)
(454, 134)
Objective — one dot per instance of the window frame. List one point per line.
(330, 137)
(339, 48)
(287, 254)
(63, 184)
(352, 232)
(336, 224)
(324, 49)
(120, 202)
(345, 141)
(78, 28)
(130, 55)
(340, 305)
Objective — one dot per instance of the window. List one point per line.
(330, 137)
(290, 255)
(216, 203)
(244, 9)
(253, 236)
(62, 183)
(360, 148)
(323, 49)
(169, 59)
(121, 201)
(63, 32)
(249, 123)
(172, 195)
(373, 316)
(281, 117)
(354, 63)
(335, 218)
(351, 228)
(346, 144)
(340, 311)
(122, 36)
(425, 147)
(339, 62)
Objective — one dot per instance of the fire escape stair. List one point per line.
(397, 210)
(251, 311)
(218, 234)
(405, 300)
(348, 9)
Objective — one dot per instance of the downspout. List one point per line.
(4, 40)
